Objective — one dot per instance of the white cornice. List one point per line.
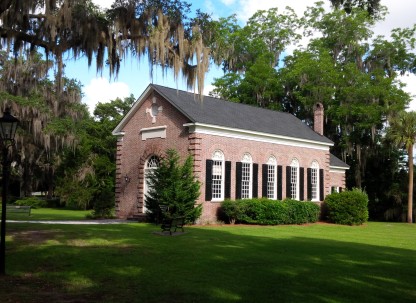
(338, 169)
(153, 128)
(242, 134)
(118, 134)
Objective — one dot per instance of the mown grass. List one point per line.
(130, 263)
(48, 214)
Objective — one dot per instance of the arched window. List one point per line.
(294, 179)
(315, 181)
(218, 175)
(271, 178)
(246, 176)
(151, 164)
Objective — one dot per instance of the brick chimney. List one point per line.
(318, 118)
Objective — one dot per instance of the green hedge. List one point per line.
(34, 202)
(347, 207)
(270, 212)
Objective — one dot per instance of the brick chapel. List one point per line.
(239, 151)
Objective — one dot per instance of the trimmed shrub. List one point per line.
(31, 201)
(347, 207)
(104, 205)
(232, 210)
(270, 212)
(302, 212)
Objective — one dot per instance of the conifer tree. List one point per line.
(174, 186)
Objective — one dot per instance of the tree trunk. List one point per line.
(27, 180)
(410, 194)
(50, 182)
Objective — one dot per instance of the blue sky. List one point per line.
(134, 75)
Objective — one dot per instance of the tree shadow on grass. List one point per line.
(127, 263)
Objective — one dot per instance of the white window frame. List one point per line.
(294, 179)
(218, 166)
(271, 181)
(315, 181)
(247, 177)
(151, 164)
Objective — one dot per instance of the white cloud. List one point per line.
(101, 90)
(103, 3)
(410, 81)
(228, 2)
(249, 7)
(400, 15)
(207, 89)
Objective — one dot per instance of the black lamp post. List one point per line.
(8, 126)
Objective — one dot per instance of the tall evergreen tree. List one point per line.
(174, 186)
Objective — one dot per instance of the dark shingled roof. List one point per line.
(336, 162)
(219, 112)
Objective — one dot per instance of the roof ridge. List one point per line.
(215, 99)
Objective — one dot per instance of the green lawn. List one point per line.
(129, 263)
(54, 214)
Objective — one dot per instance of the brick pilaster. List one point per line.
(196, 152)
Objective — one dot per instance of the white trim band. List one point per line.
(254, 136)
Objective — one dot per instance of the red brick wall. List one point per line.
(132, 152)
(234, 149)
(337, 179)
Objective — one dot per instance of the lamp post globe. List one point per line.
(8, 126)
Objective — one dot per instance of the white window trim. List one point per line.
(315, 165)
(272, 162)
(219, 156)
(248, 160)
(295, 165)
(153, 132)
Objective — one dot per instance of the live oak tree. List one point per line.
(47, 117)
(340, 71)
(251, 55)
(364, 82)
(157, 30)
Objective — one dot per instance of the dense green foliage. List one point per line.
(87, 174)
(348, 207)
(175, 186)
(34, 202)
(270, 212)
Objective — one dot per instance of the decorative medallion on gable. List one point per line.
(154, 110)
